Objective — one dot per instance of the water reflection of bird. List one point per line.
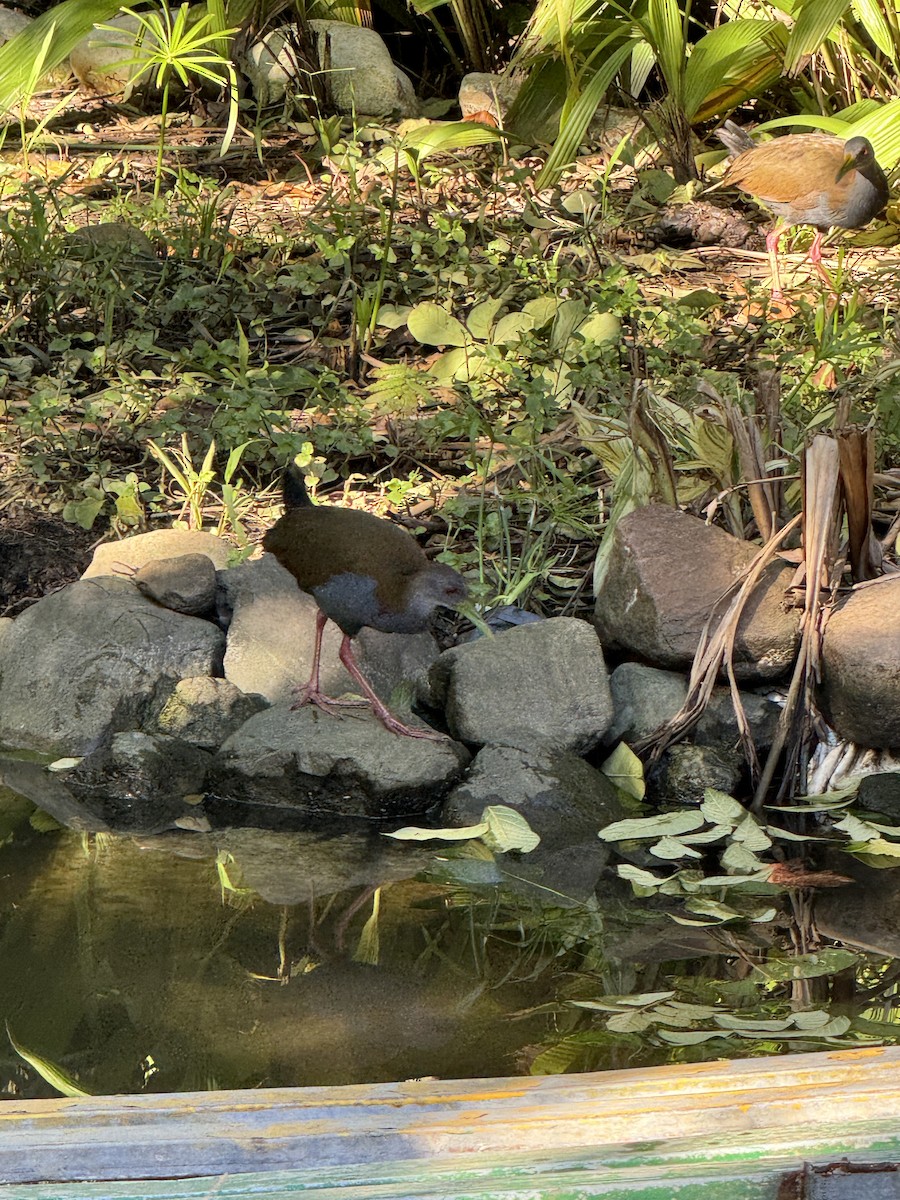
(807, 179)
(362, 571)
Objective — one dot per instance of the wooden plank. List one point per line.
(661, 1119)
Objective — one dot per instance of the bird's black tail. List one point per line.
(735, 139)
(293, 488)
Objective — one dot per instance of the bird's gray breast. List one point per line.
(350, 601)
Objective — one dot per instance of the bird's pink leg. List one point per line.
(381, 711)
(815, 257)
(772, 240)
(311, 693)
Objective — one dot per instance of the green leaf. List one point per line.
(507, 829)
(672, 848)
(625, 770)
(434, 326)
(681, 1037)
(662, 825)
(509, 328)
(639, 876)
(751, 834)
(806, 966)
(722, 809)
(815, 21)
(630, 1022)
(482, 317)
(739, 859)
(412, 833)
(48, 1071)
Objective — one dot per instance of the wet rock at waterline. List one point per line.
(666, 573)
(271, 634)
(685, 772)
(564, 800)
(140, 784)
(326, 767)
(643, 699)
(860, 688)
(94, 659)
(540, 684)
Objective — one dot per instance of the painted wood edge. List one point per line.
(321, 1130)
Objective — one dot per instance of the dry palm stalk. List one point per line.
(856, 448)
(821, 529)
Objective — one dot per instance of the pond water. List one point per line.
(246, 958)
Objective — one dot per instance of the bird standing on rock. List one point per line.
(361, 570)
(807, 179)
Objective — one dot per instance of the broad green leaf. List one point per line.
(871, 14)
(738, 858)
(84, 511)
(392, 316)
(542, 309)
(48, 1071)
(639, 875)
(857, 830)
(735, 60)
(815, 21)
(482, 317)
(507, 829)
(413, 833)
(630, 1022)
(671, 848)
(443, 136)
(751, 834)
(625, 770)
(434, 326)
(600, 327)
(662, 825)
(732, 1021)
(722, 809)
(876, 847)
(509, 328)
(713, 908)
(806, 966)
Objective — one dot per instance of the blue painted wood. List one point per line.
(711, 1131)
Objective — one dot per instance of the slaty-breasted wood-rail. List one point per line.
(807, 179)
(362, 571)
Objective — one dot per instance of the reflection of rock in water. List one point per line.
(112, 954)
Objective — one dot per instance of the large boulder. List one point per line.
(95, 659)
(540, 684)
(134, 553)
(325, 767)
(668, 572)
(359, 74)
(860, 688)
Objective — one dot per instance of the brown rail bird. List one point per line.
(807, 179)
(361, 570)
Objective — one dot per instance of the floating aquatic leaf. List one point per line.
(662, 825)
(414, 833)
(626, 771)
(507, 829)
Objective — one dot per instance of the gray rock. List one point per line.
(186, 583)
(359, 73)
(643, 699)
(326, 767)
(685, 772)
(272, 632)
(880, 794)
(108, 239)
(122, 558)
(561, 797)
(666, 573)
(12, 23)
(860, 689)
(542, 684)
(6, 628)
(718, 726)
(865, 914)
(138, 783)
(482, 92)
(93, 659)
(205, 711)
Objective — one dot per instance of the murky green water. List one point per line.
(128, 963)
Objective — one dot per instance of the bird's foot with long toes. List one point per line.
(306, 694)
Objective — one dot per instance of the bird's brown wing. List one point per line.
(788, 169)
